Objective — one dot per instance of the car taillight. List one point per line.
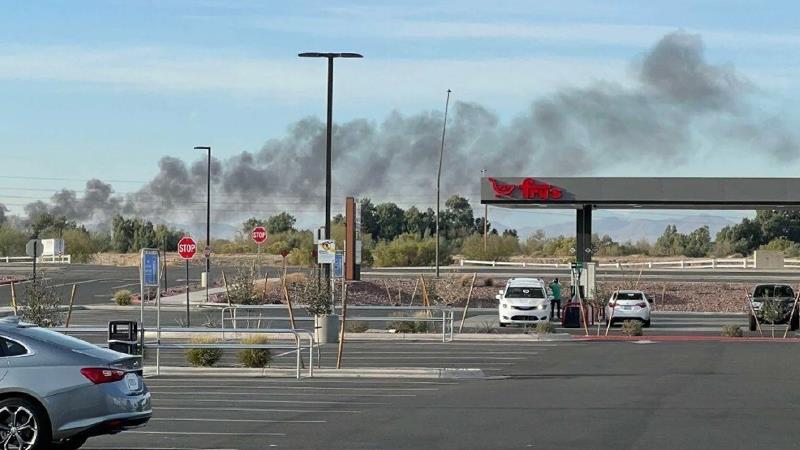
(98, 375)
(641, 304)
(612, 304)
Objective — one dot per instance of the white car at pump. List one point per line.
(629, 305)
(524, 300)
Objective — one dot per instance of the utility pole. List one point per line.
(439, 180)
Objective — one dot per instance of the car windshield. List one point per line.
(629, 296)
(52, 337)
(524, 292)
(769, 290)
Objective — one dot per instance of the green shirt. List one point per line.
(556, 289)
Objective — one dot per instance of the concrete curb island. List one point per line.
(365, 372)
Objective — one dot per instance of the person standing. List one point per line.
(555, 302)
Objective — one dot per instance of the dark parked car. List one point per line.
(57, 391)
(782, 293)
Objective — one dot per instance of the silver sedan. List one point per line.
(57, 391)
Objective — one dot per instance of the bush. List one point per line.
(545, 328)
(408, 250)
(632, 328)
(356, 326)
(12, 241)
(123, 297)
(790, 249)
(498, 248)
(301, 257)
(41, 304)
(241, 288)
(79, 244)
(255, 357)
(203, 357)
(732, 331)
(488, 282)
(409, 326)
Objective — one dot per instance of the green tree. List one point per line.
(280, 223)
(740, 238)
(12, 241)
(391, 221)
(415, 222)
(698, 243)
(407, 250)
(498, 248)
(369, 219)
(670, 243)
(249, 224)
(458, 217)
(79, 244)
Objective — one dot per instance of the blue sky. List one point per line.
(105, 88)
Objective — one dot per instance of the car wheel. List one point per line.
(646, 324)
(23, 425)
(795, 323)
(752, 323)
(502, 325)
(73, 443)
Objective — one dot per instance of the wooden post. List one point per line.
(753, 312)
(608, 325)
(636, 286)
(663, 294)
(414, 294)
(14, 298)
(791, 316)
(71, 303)
(388, 294)
(342, 329)
(227, 291)
(466, 307)
(266, 279)
(288, 302)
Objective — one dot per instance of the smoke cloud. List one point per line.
(675, 95)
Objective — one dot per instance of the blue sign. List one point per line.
(338, 265)
(150, 266)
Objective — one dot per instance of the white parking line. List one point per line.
(182, 381)
(198, 388)
(204, 433)
(310, 411)
(196, 419)
(299, 402)
(390, 358)
(282, 394)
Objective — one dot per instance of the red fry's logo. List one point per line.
(529, 188)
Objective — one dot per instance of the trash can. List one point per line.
(571, 315)
(123, 336)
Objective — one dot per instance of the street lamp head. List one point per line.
(329, 55)
(202, 148)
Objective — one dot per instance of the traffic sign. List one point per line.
(150, 267)
(259, 235)
(187, 248)
(34, 248)
(338, 264)
(326, 251)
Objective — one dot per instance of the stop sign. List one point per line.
(259, 235)
(187, 247)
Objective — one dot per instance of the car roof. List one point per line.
(630, 291)
(533, 282)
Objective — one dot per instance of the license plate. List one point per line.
(132, 380)
(627, 308)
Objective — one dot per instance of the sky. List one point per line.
(105, 89)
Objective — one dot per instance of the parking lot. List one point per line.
(610, 395)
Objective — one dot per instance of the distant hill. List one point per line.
(623, 229)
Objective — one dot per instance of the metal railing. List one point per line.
(298, 346)
(52, 259)
(708, 263)
(244, 313)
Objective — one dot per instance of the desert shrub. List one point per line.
(545, 328)
(732, 331)
(465, 280)
(255, 357)
(241, 287)
(632, 328)
(12, 241)
(771, 311)
(203, 357)
(356, 326)
(316, 296)
(41, 304)
(486, 327)
(123, 297)
(408, 250)
(301, 257)
(790, 248)
(409, 326)
(498, 248)
(488, 282)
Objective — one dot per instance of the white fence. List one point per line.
(57, 259)
(709, 263)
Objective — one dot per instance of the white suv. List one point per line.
(524, 300)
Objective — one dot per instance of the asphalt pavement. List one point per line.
(609, 395)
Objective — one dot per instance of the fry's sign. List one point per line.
(528, 188)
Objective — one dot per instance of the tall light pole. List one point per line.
(485, 217)
(208, 217)
(330, 57)
(439, 180)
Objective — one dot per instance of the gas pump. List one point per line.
(582, 287)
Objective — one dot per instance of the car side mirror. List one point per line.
(497, 296)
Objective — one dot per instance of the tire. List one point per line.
(35, 433)
(73, 443)
(645, 324)
(752, 323)
(795, 323)
(503, 325)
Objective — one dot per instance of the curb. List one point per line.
(686, 338)
(365, 372)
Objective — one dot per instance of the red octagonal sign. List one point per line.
(187, 247)
(259, 235)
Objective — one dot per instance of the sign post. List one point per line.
(259, 235)
(149, 268)
(187, 248)
(34, 249)
(338, 264)
(207, 255)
